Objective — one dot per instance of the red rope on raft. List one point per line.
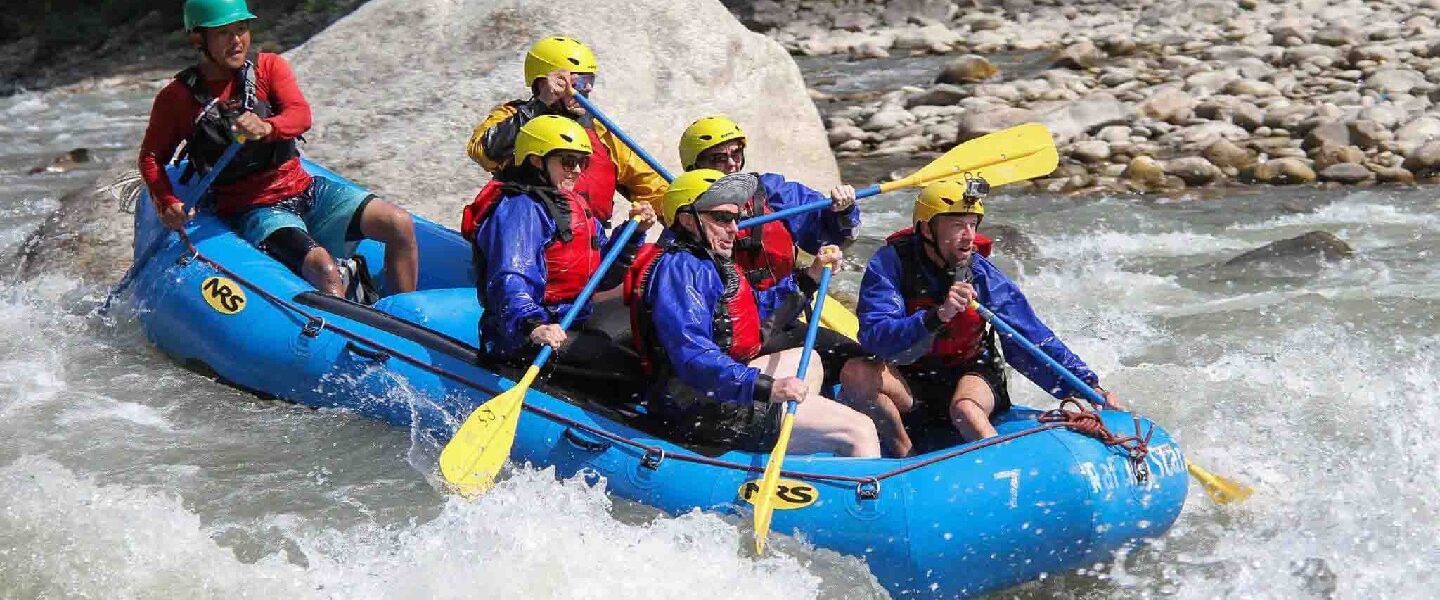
(1073, 414)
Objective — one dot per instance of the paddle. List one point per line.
(1006, 156)
(615, 129)
(155, 244)
(1220, 489)
(475, 454)
(765, 496)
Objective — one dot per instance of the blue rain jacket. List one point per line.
(893, 333)
(813, 229)
(682, 293)
(512, 242)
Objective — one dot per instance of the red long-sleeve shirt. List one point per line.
(172, 120)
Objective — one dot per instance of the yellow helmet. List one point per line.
(951, 198)
(686, 189)
(706, 133)
(547, 133)
(555, 53)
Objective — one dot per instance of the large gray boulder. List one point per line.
(1301, 255)
(398, 85)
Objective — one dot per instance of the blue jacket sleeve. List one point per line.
(886, 327)
(813, 229)
(683, 291)
(1004, 298)
(512, 241)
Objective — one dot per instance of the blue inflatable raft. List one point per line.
(957, 521)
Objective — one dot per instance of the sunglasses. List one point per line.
(583, 83)
(716, 157)
(573, 161)
(723, 217)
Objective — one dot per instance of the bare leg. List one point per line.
(970, 408)
(389, 224)
(821, 424)
(863, 383)
(319, 269)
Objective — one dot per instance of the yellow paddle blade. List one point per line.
(838, 318)
(1220, 489)
(765, 497)
(474, 456)
(1018, 153)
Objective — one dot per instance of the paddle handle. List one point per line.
(615, 129)
(1078, 386)
(862, 193)
(616, 247)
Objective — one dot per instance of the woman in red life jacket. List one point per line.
(699, 327)
(536, 247)
(767, 254)
(555, 68)
(304, 222)
(915, 311)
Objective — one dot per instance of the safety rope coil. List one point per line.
(867, 487)
(1072, 414)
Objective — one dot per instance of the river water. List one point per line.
(124, 476)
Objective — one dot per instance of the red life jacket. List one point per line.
(963, 337)
(571, 256)
(766, 253)
(735, 319)
(597, 181)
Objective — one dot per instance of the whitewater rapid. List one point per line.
(124, 475)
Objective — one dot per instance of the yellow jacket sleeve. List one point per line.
(634, 179)
(500, 151)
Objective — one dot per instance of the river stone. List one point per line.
(1417, 132)
(1010, 241)
(1332, 133)
(1337, 34)
(976, 124)
(1090, 151)
(1251, 87)
(1169, 104)
(1425, 160)
(1289, 32)
(1284, 171)
(1253, 68)
(927, 37)
(1208, 82)
(1147, 174)
(1193, 170)
(1385, 114)
(1321, 245)
(943, 94)
(1114, 133)
(1071, 119)
(1328, 155)
(662, 64)
(890, 116)
(1396, 81)
(1398, 175)
(1371, 52)
(1224, 153)
(1347, 173)
(1287, 116)
(970, 68)
(1080, 55)
(1310, 54)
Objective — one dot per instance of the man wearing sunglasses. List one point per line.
(535, 249)
(767, 254)
(915, 311)
(556, 68)
(699, 327)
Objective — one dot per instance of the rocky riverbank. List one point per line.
(1146, 96)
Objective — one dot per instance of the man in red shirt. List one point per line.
(264, 192)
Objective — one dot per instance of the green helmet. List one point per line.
(214, 13)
